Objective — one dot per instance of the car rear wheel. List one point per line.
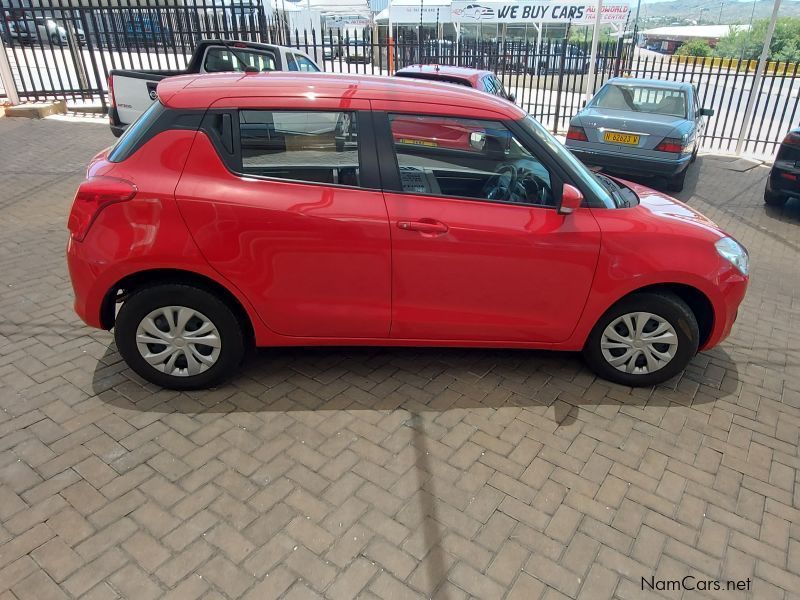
(774, 198)
(676, 182)
(644, 339)
(179, 336)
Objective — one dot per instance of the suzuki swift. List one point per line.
(274, 209)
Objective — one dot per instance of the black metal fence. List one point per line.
(66, 48)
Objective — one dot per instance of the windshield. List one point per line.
(642, 98)
(576, 167)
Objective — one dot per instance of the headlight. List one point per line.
(733, 252)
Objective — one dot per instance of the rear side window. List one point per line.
(309, 146)
(221, 60)
(305, 65)
(135, 133)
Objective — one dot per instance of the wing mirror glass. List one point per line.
(706, 112)
(477, 140)
(571, 198)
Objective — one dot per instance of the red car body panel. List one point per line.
(323, 265)
(315, 261)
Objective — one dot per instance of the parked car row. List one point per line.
(39, 31)
(262, 208)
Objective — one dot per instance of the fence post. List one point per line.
(561, 66)
(593, 54)
(755, 88)
(6, 76)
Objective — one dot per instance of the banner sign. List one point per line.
(425, 14)
(577, 13)
(347, 21)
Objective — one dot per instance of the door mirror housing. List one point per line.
(706, 112)
(511, 97)
(571, 198)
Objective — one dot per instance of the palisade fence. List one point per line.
(65, 49)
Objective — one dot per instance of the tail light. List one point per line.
(94, 195)
(577, 133)
(675, 145)
(792, 139)
(111, 100)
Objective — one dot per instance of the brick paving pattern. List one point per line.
(387, 473)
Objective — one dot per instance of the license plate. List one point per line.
(616, 137)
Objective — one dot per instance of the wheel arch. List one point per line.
(695, 299)
(134, 281)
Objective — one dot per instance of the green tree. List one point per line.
(694, 48)
(744, 43)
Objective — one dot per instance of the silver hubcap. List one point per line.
(639, 343)
(178, 341)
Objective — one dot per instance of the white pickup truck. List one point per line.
(131, 92)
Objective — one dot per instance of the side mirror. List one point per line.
(511, 97)
(477, 140)
(706, 112)
(571, 198)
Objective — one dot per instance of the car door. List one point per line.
(282, 197)
(479, 251)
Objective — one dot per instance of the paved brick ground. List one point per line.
(389, 474)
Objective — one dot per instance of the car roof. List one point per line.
(670, 85)
(201, 91)
(472, 75)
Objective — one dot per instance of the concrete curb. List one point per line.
(37, 110)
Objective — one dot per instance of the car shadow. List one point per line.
(660, 184)
(788, 213)
(419, 386)
(418, 380)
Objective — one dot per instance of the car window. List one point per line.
(641, 98)
(313, 146)
(499, 90)
(304, 64)
(129, 142)
(291, 64)
(220, 60)
(467, 158)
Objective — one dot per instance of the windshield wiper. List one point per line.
(614, 189)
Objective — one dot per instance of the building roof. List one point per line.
(201, 91)
(687, 32)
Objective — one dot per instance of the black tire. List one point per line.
(676, 182)
(662, 304)
(145, 300)
(774, 198)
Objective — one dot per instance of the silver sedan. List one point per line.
(640, 127)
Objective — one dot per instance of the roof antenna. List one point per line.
(245, 67)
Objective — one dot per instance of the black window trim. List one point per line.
(367, 155)
(390, 169)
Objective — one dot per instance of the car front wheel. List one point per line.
(179, 336)
(644, 339)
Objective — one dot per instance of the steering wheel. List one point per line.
(502, 184)
(536, 188)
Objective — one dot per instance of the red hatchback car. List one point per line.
(281, 210)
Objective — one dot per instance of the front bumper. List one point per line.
(630, 164)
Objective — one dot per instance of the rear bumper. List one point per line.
(630, 164)
(780, 181)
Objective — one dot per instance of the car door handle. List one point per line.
(423, 226)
